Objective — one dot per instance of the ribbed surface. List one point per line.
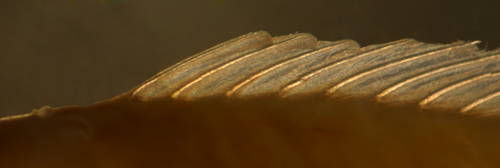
(452, 76)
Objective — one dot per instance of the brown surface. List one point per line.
(78, 52)
(263, 133)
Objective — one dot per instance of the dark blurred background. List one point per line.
(75, 52)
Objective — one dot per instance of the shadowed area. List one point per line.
(78, 52)
(151, 126)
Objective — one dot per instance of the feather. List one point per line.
(286, 101)
(298, 65)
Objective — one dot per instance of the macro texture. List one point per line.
(404, 71)
(285, 101)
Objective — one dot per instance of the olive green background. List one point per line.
(63, 52)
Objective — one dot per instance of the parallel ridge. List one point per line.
(454, 76)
